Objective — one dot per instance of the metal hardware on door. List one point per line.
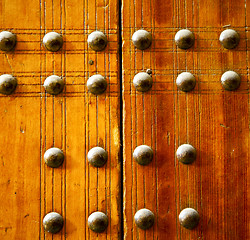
(53, 41)
(53, 84)
(54, 157)
(97, 156)
(97, 41)
(8, 84)
(144, 219)
(142, 82)
(142, 39)
(230, 80)
(184, 39)
(143, 154)
(185, 82)
(189, 218)
(53, 222)
(7, 41)
(229, 38)
(186, 153)
(98, 222)
(97, 84)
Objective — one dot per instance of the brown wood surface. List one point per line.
(214, 121)
(75, 121)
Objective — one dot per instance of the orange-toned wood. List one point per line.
(75, 121)
(214, 121)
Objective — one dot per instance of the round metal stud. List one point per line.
(53, 85)
(142, 39)
(8, 84)
(142, 82)
(143, 154)
(184, 39)
(97, 41)
(7, 41)
(189, 218)
(98, 222)
(54, 157)
(53, 41)
(229, 38)
(186, 153)
(230, 80)
(53, 222)
(97, 84)
(97, 156)
(185, 82)
(144, 219)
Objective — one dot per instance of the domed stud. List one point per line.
(189, 218)
(7, 41)
(97, 156)
(97, 84)
(184, 39)
(144, 219)
(98, 222)
(230, 80)
(142, 39)
(53, 85)
(53, 222)
(185, 82)
(8, 84)
(229, 38)
(186, 153)
(143, 154)
(142, 82)
(54, 157)
(53, 41)
(97, 41)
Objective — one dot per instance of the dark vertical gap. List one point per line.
(121, 108)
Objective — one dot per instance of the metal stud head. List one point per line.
(189, 218)
(184, 39)
(144, 219)
(186, 153)
(7, 41)
(97, 41)
(142, 82)
(8, 84)
(54, 157)
(230, 80)
(53, 41)
(97, 156)
(229, 38)
(98, 222)
(97, 84)
(53, 85)
(53, 222)
(185, 82)
(143, 154)
(142, 39)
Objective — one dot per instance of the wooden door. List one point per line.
(213, 120)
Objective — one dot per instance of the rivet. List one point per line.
(189, 218)
(143, 154)
(142, 82)
(149, 71)
(97, 84)
(98, 222)
(184, 39)
(144, 219)
(229, 38)
(97, 156)
(185, 82)
(186, 153)
(53, 41)
(53, 222)
(8, 84)
(54, 157)
(7, 41)
(97, 41)
(91, 62)
(142, 39)
(53, 84)
(230, 80)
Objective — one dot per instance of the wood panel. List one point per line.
(75, 120)
(214, 121)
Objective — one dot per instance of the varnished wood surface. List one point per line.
(75, 121)
(214, 121)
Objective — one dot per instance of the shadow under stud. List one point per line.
(97, 41)
(53, 41)
(7, 41)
